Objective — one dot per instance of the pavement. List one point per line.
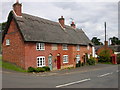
(98, 76)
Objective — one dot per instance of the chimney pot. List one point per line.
(73, 25)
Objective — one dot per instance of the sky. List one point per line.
(89, 15)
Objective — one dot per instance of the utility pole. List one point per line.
(105, 31)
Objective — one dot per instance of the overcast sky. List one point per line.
(90, 16)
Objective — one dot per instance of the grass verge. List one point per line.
(10, 66)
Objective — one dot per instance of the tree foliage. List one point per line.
(3, 25)
(114, 41)
(91, 61)
(96, 41)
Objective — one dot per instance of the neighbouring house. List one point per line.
(103, 47)
(114, 50)
(33, 41)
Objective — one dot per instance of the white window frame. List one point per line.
(78, 47)
(40, 61)
(65, 47)
(77, 58)
(65, 59)
(40, 46)
(7, 42)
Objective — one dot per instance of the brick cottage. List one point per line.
(33, 41)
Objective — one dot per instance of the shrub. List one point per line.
(31, 69)
(83, 64)
(78, 64)
(91, 61)
(46, 68)
(104, 56)
(39, 69)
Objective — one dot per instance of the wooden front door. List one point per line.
(58, 62)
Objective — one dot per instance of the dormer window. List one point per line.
(7, 42)
(40, 46)
(65, 47)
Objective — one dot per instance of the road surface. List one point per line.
(102, 77)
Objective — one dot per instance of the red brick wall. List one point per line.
(83, 50)
(14, 53)
(31, 54)
(105, 48)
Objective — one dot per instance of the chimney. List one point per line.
(106, 43)
(73, 25)
(17, 8)
(62, 22)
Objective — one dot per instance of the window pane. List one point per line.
(40, 46)
(65, 47)
(78, 47)
(38, 62)
(41, 63)
(65, 59)
(7, 42)
(54, 46)
(40, 59)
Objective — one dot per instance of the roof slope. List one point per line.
(115, 48)
(41, 30)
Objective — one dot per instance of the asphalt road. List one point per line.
(104, 77)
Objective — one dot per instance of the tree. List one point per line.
(2, 28)
(96, 41)
(114, 41)
(3, 25)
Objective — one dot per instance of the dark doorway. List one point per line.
(58, 62)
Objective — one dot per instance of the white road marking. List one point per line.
(73, 83)
(105, 74)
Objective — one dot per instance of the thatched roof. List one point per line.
(36, 29)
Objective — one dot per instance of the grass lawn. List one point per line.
(10, 66)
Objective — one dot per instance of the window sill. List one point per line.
(40, 49)
(41, 66)
(65, 49)
(7, 44)
(65, 62)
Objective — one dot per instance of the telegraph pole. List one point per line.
(105, 31)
